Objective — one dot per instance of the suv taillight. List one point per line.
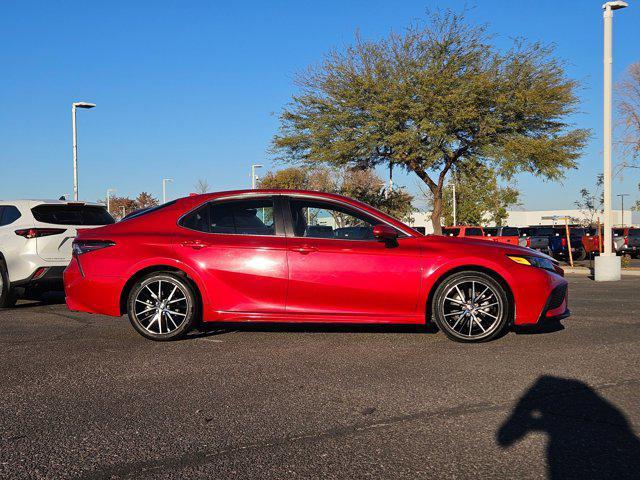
(626, 240)
(39, 232)
(529, 242)
(80, 247)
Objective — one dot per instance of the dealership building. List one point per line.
(525, 218)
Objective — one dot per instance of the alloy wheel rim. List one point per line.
(161, 306)
(472, 309)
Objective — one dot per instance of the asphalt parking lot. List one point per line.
(84, 396)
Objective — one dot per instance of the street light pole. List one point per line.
(622, 195)
(164, 188)
(453, 178)
(109, 190)
(607, 266)
(75, 143)
(253, 175)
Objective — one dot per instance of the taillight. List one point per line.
(626, 240)
(564, 242)
(39, 232)
(80, 247)
(529, 242)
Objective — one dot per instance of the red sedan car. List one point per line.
(298, 256)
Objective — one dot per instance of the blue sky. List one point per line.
(192, 90)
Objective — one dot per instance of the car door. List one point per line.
(239, 247)
(337, 267)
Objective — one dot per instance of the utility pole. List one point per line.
(254, 177)
(164, 188)
(75, 105)
(109, 190)
(622, 195)
(607, 266)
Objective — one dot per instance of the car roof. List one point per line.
(37, 201)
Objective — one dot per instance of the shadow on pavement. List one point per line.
(222, 328)
(588, 437)
(544, 327)
(48, 298)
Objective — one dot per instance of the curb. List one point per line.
(587, 271)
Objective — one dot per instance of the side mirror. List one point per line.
(385, 233)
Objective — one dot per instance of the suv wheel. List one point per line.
(162, 306)
(471, 307)
(7, 298)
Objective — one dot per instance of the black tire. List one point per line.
(483, 303)
(581, 254)
(165, 317)
(7, 297)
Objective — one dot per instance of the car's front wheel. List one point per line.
(471, 306)
(162, 306)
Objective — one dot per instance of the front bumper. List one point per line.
(556, 307)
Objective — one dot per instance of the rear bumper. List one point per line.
(96, 295)
(50, 277)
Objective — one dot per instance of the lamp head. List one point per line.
(84, 105)
(616, 5)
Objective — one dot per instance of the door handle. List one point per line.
(195, 244)
(305, 249)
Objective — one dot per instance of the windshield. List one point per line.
(72, 214)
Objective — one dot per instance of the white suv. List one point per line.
(35, 243)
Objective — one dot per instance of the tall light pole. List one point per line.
(75, 143)
(607, 265)
(253, 175)
(164, 188)
(622, 195)
(109, 190)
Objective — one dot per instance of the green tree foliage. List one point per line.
(363, 185)
(591, 201)
(479, 197)
(121, 206)
(433, 97)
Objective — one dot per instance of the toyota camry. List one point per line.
(301, 256)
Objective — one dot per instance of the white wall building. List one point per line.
(525, 218)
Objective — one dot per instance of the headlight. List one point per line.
(539, 262)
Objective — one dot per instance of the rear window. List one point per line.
(69, 214)
(451, 232)
(634, 232)
(473, 232)
(145, 211)
(491, 232)
(510, 232)
(577, 232)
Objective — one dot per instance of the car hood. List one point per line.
(488, 245)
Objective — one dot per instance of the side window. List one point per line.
(244, 217)
(8, 215)
(317, 219)
(474, 232)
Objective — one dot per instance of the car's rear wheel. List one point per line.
(7, 297)
(162, 306)
(471, 306)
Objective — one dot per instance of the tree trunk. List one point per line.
(436, 213)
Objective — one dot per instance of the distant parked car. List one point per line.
(626, 241)
(559, 246)
(510, 235)
(462, 231)
(35, 243)
(536, 238)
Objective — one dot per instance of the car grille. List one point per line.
(557, 297)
